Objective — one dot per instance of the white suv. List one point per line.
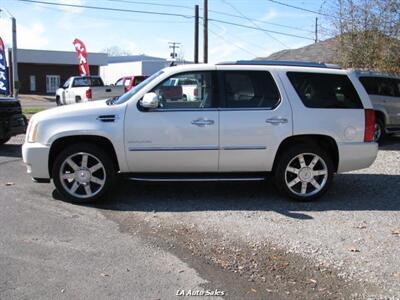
(301, 122)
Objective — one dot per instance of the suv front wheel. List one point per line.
(83, 173)
(304, 172)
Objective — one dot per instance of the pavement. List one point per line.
(152, 240)
(37, 101)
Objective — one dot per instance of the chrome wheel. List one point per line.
(306, 174)
(378, 132)
(82, 175)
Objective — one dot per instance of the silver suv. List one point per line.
(384, 92)
(241, 120)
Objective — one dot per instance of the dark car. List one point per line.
(12, 121)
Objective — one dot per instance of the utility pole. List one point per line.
(205, 31)
(196, 34)
(173, 46)
(316, 30)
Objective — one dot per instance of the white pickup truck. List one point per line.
(85, 88)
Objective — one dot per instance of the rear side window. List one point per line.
(96, 81)
(81, 82)
(318, 90)
(381, 86)
(249, 89)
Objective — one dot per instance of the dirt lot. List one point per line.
(243, 238)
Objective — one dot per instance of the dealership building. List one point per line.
(43, 71)
(138, 65)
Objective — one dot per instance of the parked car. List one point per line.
(128, 82)
(384, 92)
(301, 123)
(188, 85)
(85, 88)
(12, 121)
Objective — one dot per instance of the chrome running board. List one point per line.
(197, 177)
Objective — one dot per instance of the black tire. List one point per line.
(379, 127)
(58, 102)
(94, 153)
(282, 177)
(4, 140)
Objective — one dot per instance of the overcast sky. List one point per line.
(43, 26)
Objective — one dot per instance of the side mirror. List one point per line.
(150, 100)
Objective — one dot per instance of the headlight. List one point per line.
(32, 134)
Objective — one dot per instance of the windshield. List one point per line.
(125, 97)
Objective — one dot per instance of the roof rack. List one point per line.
(280, 63)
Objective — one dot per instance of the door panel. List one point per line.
(254, 119)
(169, 141)
(181, 135)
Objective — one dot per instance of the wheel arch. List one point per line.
(104, 143)
(324, 141)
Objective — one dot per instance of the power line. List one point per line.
(110, 9)
(210, 10)
(259, 29)
(305, 9)
(251, 21)
(58, 9)
(162, 14)
(232, 43)
(240, 38)
(151, 3)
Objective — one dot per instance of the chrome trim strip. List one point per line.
(214, 109)
(244, 148)
(196, 179)
(205, 148)
(182, 109)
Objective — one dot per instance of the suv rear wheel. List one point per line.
(83, 173)
(379, 130)
(304, 172)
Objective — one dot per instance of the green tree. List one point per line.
(368, 33)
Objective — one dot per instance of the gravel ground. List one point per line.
(344, 246)
(354, 231)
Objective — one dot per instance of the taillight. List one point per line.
(369, 125)
(89, 94)
(195, 92)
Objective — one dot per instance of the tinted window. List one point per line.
(387, 87)
(96, 81)
(397, 84)
(125, 97)
(318, 90)
(381, 86)
(66, 84)
(79, 82)
(370, 84)
(249, 89)
(138, 79)
(174, 93)
(87, 81)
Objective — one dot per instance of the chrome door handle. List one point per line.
(276, 121)
(202, 122)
